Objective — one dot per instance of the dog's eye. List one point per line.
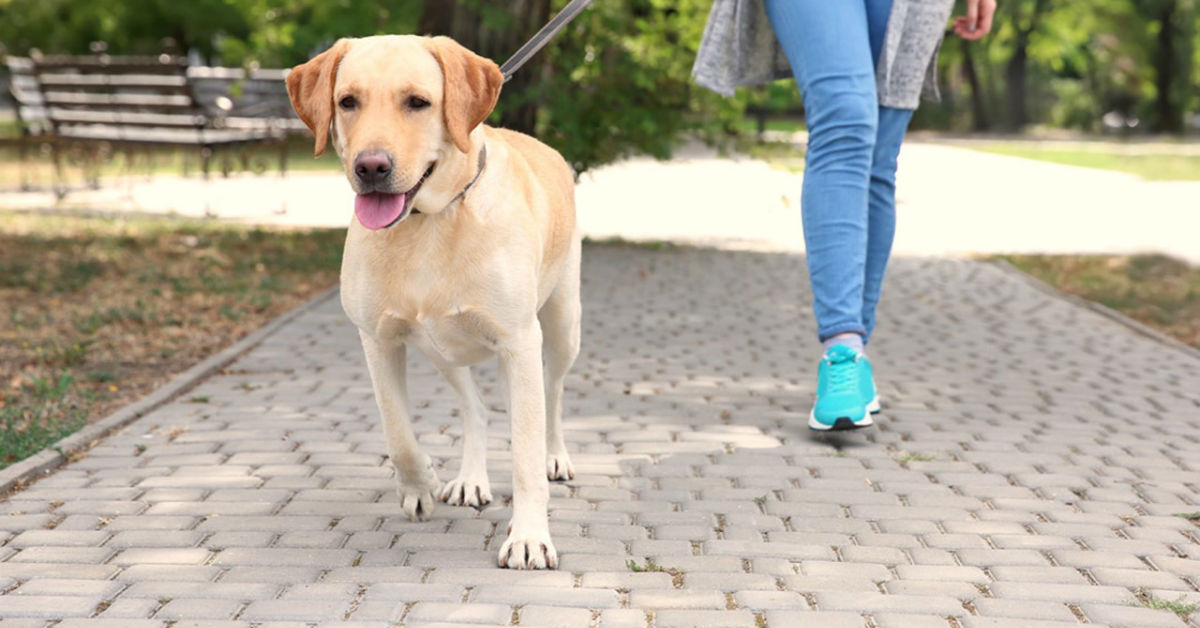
(416, 102)
(348, 103)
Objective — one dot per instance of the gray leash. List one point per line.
(569, 12)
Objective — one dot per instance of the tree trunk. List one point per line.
(1168, 118)
(436, 17)
(1016, 71)
(460, 20)
(979, 117)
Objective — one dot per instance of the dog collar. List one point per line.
(471, 184)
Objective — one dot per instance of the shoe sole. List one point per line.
(845, 423)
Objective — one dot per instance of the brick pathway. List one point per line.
(1026, 472)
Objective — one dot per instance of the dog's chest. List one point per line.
(457, 339)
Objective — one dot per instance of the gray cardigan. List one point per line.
(739, 48)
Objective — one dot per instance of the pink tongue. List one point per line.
(378, 210)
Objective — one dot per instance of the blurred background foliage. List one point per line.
(617, 80)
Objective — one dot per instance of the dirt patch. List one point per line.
(1156, 290)
(100, 311)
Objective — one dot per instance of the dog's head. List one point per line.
(395, 107)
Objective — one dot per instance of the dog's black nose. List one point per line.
(372, 166)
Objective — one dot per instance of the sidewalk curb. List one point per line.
(1102, 310)
(21, 473)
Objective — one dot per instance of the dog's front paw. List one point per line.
(526, 549)
(559, 467)
(417, 501)
(467, 490)
(416, 489)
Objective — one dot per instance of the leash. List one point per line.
(514, 63)
(542, 37)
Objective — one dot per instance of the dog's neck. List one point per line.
(454, 177)
(481, 161)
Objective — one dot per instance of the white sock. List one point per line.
(850, 339)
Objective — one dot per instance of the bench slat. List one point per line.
(116, 100)
(144, 135)
(113, 80)
(79, 116)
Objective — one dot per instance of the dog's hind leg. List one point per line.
(417, 481)
(471, 487)
(560, 320)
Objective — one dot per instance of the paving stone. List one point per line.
(660, 599)
(703, 619)
(63, 555)
(108, 622)
(204, 590)
(162, 555)
(278, 503)
(973, 575)
(546, 596)
(495, 614)
(168, 573)
(48, 606)
(60, 538)
(729, 582)
(1058, 575)
(285, 557)
(1121, 616)
(1023, 609)
(623, 618)
(958, 590)
(908, 620)
(1007, 622)
(815, 619)
(196, 608)
(1140, 578)
(296, 609)
(878, 602)
(1069, 593)
(769, 600)
(555, 616)
(66, 586)
(130, 608)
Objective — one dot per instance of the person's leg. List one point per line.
(881, 212)
(827, 43)
(881, 222)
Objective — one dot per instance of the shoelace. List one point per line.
(843, 375)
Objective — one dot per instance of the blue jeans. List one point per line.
(849, 196)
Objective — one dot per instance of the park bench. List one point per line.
(85, 109)
(96, 104)
(254, 99)
(29, 108)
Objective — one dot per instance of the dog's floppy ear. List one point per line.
(310, 87)
(471, 86)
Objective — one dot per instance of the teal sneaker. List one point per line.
(866, 379)
(840, 402)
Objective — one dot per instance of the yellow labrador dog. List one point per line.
(464, 244)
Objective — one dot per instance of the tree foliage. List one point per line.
(617, 79)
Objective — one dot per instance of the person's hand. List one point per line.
(978, 21)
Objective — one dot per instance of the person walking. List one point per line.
(862, 67)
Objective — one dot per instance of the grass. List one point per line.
(750, 125)
(653, 567)
(1152, 167)
(1190, 516)
(1156, 290)
(100, 311)
(780, 155)
(1178, 606)
(905, 457)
